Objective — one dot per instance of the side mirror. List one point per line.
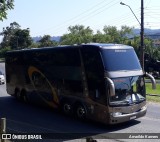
(111, 86)
(152, 80)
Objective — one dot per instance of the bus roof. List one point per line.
(100, 45)
(110, 45)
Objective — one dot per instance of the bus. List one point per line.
(101, 82)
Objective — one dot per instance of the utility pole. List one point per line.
(142, 36)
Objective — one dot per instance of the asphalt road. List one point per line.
(2, 67)
(22, 117)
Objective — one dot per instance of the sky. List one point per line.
(53, 17)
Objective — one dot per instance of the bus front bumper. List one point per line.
(118, 117)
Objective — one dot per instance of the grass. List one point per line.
(153, 95)
(150, 91)
(153, 99)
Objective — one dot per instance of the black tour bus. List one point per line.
(103, 82)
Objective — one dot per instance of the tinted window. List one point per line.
(64, 57)
(93, 64)
(14, 58)
(117, 59)
(53, 56)
(94, 73)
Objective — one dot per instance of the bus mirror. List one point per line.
(152, 80)
(111, 86)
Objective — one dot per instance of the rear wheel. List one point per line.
(21, 95)
(66, 108)
(24, 96)
(25, 99)
(81, 112)
(18, 95)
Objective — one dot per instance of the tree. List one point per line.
(99, 37)
(4, 6)
(124, 32)
(21, 39)
(46, 41)
(113, 34)
(117, 36)
(77, 34)
(8, 32)
(15, 37)
(34, 45)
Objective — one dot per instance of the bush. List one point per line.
(3, 51)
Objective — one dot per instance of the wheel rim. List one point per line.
(25, 99)
(67, 108)
(18, 95)
(81, 113)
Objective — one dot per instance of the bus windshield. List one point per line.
(125, 91)
(120, 59)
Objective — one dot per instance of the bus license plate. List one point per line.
(132, 117)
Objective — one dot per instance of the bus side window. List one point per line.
(67, 66)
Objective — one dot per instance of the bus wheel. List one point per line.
(24, 96)
(81, 112)
(18, 95)
(66, 107)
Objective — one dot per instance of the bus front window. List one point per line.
(128, 90)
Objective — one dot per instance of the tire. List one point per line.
(21, 95)
(80, 112)
(18, 95)
(24, 97)
(66, 108)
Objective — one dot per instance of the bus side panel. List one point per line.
(50, 74)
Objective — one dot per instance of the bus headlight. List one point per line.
(115, 114)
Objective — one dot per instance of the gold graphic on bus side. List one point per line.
(40, 82)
